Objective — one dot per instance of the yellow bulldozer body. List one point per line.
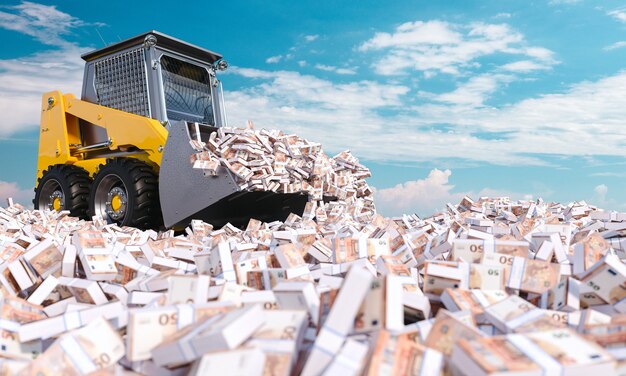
(60, 140)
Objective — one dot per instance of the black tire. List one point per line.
(72, 181)
(140, 184)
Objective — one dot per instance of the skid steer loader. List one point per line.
(122, 151)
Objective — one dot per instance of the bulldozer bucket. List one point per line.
(186, 193)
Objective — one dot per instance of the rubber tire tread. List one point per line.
(143, 209)
(75, 184)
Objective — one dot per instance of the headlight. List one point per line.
(222, 65)
(150, 40)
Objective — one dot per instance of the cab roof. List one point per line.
(163, 40)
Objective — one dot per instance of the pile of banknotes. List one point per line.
(269, 160)
(485, 287)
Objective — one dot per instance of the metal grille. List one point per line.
(121, 82)
(187, 90)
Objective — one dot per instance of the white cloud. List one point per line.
(296, 88)
(601, 191)
(615, 46)
(302, 63)
(274, 59)
(502, 15)
(421, 196)
(618, 14)
(475, 91)
(599, 197)
(540, 53)
(345, 71)
(330, 68)
(411, 35)
(327, 68)
(587, 119)
(19, 195)
(610, 174)
(45, 23)
(311, 38)
(439, 46)
(523, 66)
(561, 2)
(278, 58)
(24, 80)
(429, 195)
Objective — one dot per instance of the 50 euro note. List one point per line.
(563, 230)
(565, 296)
(94, 347)
(486, 277)
(589, 251)
(377, 247)
(188, 289)
(350, 359)
(265, 279)
(506, 310)
(148, 327)
(279, 337)
(281, 330)
(536, 320)
(610, 336)
(12, 347)
(290, 259)
(340, 320)
(99, 267)
(89, 240)
(491, 355)
(473, 250)
(257, 262)
(474, 300)
(448, 329)
(563, 351)
(439, 275)
(399, 355)
(10, 252)
(217, 333)
(15, 309)
(371, 313)
(345, 249)
(535, 276)
(239, 362)
(45, 258)
(607, 279)
(289, 256)
(13, 312)
(394, 266)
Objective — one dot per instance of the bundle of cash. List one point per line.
(270, 160)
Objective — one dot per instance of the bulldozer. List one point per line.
(121, 152)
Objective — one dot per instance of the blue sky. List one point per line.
(439, 99)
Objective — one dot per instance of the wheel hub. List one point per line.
(56, 200)
(116, 203)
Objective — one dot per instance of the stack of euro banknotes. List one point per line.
(485, 287)
(270, 160)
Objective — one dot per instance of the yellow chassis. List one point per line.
(60, 134)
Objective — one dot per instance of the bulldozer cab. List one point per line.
(156, 76)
